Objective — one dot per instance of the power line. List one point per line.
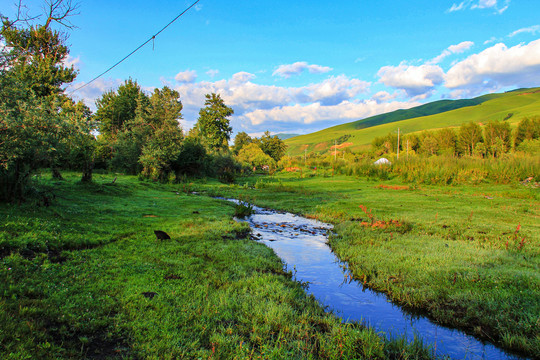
(137, 49)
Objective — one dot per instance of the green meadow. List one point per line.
(467, 255)
(82, 276)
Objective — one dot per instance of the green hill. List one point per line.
(511, 106)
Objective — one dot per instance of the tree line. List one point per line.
(131, 131)
(494, 139)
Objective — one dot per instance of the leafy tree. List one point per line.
(497, 136)
(429, 144)
(165, 107)
(469, 136)
(116, 108)
(161, 151)
(272, 146)
(240, 140)
(80, 141)
(252, 155)
(32, 73)
(192, 160)
(446, 141)
(527, 129)
(213, 123)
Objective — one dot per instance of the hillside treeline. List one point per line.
(494, 139)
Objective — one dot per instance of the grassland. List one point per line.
(511, 106)
(467, 255)
(83, 276)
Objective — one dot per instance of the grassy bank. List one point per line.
(82, 275)
(468, 255)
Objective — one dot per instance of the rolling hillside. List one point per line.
(510, 106)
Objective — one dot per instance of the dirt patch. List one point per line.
(150, 216)
(321, 146)
(292, 169)
(341, 146)
(392, 187)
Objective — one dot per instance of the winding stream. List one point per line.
(302, 244)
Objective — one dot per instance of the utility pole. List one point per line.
(407, 149)
(398, 143)
(335, 150)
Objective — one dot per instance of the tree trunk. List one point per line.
(56, 174)
(87, 172)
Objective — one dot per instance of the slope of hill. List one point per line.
(510, 106)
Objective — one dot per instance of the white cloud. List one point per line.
(531, 29)
(498, 6)
(243, 77)
(188, 76)
(496, 67)
(415, 80)
(452, 49)
(288, 70)
(317, 113)
(212, 73)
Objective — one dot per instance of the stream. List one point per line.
(302, 245)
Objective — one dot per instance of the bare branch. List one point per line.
(60, 11)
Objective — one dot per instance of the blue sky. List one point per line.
(301, 66)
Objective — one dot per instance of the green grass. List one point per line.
(468, 255)
(86, 278)
(435, 115)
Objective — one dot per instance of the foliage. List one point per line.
(213, 123)
(272, 146)
(32, 125)
(240, 140)
(116, 108)
(527, 129)
(252, 155)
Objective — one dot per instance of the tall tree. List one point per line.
(272, 146)
(240, 140)
(497, 136)
(32, 72)
(470, 134)
(527, 129)
(213, 123)
(116, 108)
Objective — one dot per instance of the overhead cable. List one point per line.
(152, 38)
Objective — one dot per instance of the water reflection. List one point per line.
(301, 244)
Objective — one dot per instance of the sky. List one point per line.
(299, 66)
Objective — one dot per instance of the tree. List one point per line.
(446, 141)
(213, 123)
(469, 136)
(497, 136)
(116, 108)
(527, 129)
(32, 73)
(252, 155)
(240, 140)
(272, 146)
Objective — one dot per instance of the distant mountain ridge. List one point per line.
(509, 106)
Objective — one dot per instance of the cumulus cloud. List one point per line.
(496, 67)
(498, 6)
(243, 77)
(288, 70)
(415, 80)
(452, 49)
(188, 76)
(531, 29)
(212, 73)
(317, 113)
